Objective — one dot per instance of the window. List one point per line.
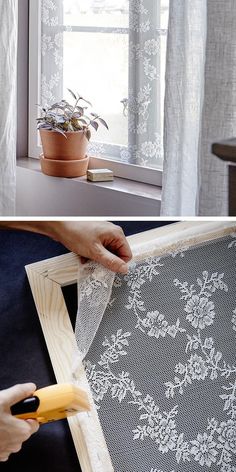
(113, 53)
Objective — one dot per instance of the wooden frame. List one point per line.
(47, 278)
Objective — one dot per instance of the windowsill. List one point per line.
(142, 199)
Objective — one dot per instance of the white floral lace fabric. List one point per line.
(94, 291)
(144, 128)
(162, 366)
(51, 51)
(145, 144)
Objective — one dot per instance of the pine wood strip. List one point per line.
(62, 347)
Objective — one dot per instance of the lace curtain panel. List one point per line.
(144, 144)
(161, 366)
(200, 105)
(8, 65)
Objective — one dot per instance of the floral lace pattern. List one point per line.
(145, 144)
(162, 368)
(143, 104)
(94, 289)
(51, 51)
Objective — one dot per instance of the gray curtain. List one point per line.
(219, 111)
(200, 105)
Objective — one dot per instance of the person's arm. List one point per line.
(13, 431)
(103, 242)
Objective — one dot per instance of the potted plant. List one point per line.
(65, 130)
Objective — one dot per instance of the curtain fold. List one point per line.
(219, 111)
(8, 73)
(183, 105)
(199, 105)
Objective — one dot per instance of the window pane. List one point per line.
(112, 52)
(112, 13)
(96, 66)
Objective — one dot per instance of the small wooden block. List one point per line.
(99, 175)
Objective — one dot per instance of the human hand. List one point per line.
(13, 431)
(103, 242)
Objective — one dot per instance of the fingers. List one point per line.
(109, 260)
(4, 458)
(18, 392)
(34, 426)
(121, 246)
(116, 251)
(84, 238)
(83, 260)
(109, 247)
(122, 249)
(14, 431)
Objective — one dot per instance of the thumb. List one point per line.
(110, 260)
(14, 394)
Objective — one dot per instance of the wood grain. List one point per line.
(62, 347)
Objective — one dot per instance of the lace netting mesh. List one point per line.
(159, 357)
(94, 290)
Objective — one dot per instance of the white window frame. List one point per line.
(152, 176)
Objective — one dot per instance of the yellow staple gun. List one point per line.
(52, 403)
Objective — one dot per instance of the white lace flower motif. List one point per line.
(165, 435)
(58, 39)
(197, 368)
(152, 47)
(227, 435)
(125, 154)
(157, 324)
(148, 148)
(58, 59)
(134, 280)
(204, 450)
(200, 311)
(99, 382)
(150, 70)
(46, 44)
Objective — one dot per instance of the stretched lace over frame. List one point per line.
(94, 296)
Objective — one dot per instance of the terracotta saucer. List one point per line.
(60, 168)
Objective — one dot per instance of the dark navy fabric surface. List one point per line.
(23, 353)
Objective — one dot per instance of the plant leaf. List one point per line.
(73, 94)
(86, 101)
(94, 124)
(103, 122)
(83, 121)
(80, 109)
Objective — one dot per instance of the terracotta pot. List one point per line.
(60, 168)
(56, 146)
